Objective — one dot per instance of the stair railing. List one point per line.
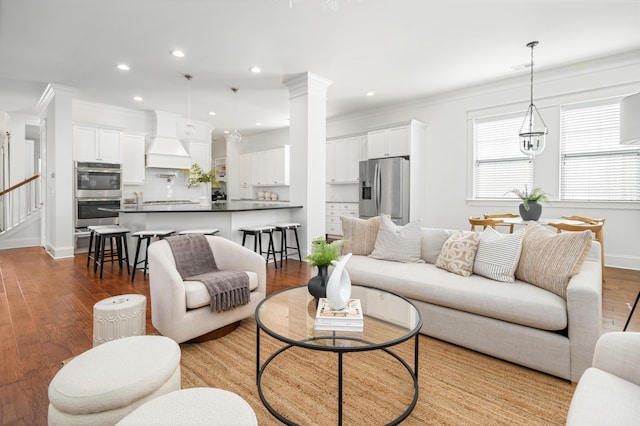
(19, 201)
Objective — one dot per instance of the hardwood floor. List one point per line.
(46, 316)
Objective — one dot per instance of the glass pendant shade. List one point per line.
(189, 129)
(533, 133)
(235, 136)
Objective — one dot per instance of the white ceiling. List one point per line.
(400, 49)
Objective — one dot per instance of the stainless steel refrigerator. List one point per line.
(384, 188)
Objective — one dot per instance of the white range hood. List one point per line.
(165, 149)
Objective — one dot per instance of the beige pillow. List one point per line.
(458, 253)
(398, 243)
(548, 260)
(359, 235)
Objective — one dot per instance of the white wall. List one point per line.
(449, 157)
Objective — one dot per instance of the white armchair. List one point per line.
(608, 393)
(181, 309)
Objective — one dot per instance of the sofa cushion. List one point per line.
(519, 302)
(549, 260)
(458, 253)
(398, 243)
(359, 235)
(432, 241)
(198, 296)
(498, 255)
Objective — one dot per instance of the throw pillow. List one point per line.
(398, 243)
(498, 255)
(458, 253)
(359, 235)
(432, 241)
(549, 260)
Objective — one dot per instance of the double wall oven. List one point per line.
(97, 185)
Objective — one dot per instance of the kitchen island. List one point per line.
(227, 217)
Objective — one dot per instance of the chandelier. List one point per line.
(189, 129)
(235, 135)
(533, 130)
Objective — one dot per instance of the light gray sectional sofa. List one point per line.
(517, 322)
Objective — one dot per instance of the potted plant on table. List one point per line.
(197, 176)
(322, 253)
(530, 209)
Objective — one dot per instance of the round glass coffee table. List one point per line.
(289, 316)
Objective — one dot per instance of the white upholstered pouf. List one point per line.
(195, 406)
(105, 383)
(119, 316)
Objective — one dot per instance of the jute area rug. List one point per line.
(457, 386)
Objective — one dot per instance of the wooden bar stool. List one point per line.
(121, 254)
(203, 231)
(284, 247)
(93, 242)
(257, 232)
(147, 236)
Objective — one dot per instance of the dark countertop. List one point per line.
(196, 208)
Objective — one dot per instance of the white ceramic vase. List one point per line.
(339, 284)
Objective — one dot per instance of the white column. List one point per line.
(56, 108)
(307, 137)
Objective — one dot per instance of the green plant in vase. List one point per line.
(322, 253)
(196, 176)
(530, 209)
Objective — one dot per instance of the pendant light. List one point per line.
(189, 129)
(235, 136)
(533, 130)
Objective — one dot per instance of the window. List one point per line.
(499, 166)
(594, 166)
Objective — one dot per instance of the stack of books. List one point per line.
(348, 319)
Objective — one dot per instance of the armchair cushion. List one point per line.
(198, 295)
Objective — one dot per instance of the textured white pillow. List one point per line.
(498, 255)
(398, 243)
(458, 252)
(432, 241)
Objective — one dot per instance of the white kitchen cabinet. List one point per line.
(392, 142)
(245, 176)
(343, 158)
(133, 159)
(96, 144)
(334, 212)
(270, 168)
(201, 153)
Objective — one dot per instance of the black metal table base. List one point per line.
(260, 369)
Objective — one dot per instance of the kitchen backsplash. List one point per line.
(164, 184)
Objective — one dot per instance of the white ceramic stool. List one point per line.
(119, 316)
(104, 384)
(195, 406)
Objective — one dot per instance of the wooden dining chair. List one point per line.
(584, 219)
(595, 227)
(502, 215)
(478, 221)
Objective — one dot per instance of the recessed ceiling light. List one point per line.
(226, 132)
(177, 53)
(371, 93)
(123, 67)
(258, 124)
(212, 113)
(137, 98)
(255, 69)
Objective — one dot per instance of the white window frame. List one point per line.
(585, 166)
(502, 160)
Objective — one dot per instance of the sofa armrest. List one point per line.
(584, 310)
(618, 353)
